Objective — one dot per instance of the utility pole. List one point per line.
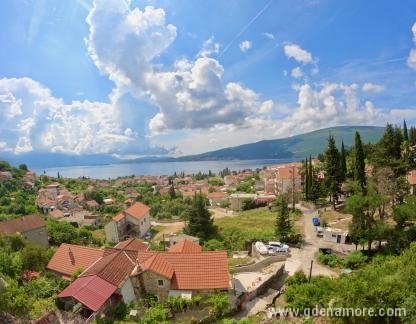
(310, 270)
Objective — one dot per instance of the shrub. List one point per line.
(354, 260)
(298, 278)
(330, 260)
(155, 314)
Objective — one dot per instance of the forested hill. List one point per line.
(297, 146)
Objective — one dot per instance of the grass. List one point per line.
(335, 219)
(234, 262)
(253, 224)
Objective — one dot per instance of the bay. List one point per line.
(112, 171)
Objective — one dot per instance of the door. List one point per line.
(339, 239)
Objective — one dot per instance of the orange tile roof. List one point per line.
(192, 271)
(411, 177)
(197, 271)
(114, 268)
(21, 224)
(157, 263)
(119, 217)
(56, 213)
(217, 195)
(132, 244)
(137, 210)
(185, 246)
(69, 257)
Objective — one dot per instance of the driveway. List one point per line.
(300, 259)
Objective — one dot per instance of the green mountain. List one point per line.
(296, 147)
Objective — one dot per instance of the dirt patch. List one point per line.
(335, 219)
(167, 228)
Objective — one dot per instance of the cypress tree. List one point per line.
(311, 184)
(343, 163)
(359, 163)
(307, 189)
(332, 170)
(283, 225)
(405, 133)
(200, 224)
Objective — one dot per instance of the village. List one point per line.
(133, 245)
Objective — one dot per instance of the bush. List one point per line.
(354, 260)
(298, 278)
(155, 314)
(219, 304)
(330, 260)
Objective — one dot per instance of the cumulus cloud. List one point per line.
(209, 48)
(296, 72)
(372, 87)
(33, 119)
(297, 53)
(411, 60)
(123, 43)
(245, 45)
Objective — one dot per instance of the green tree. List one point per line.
(332, 177)
(61, 232)
(405, 132)
(34, 257)
(283, 225)
(201, 223)
(359, 162)
(343, 163)
(172, 192)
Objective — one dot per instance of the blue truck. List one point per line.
(316, 221)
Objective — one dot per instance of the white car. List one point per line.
(261, 247)
(278, 247)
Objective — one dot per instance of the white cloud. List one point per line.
(269, 36)
(189, 94)
(411, 60)
(209, 48)
(46, 123)
(372, 87)
(297, 53)
(296, 72)
(245, 45)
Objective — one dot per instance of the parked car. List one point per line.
(278, 247)
(316, 221)
(319, 231)
(148, 235)
(261, 247)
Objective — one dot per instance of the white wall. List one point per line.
(127, 292)
(111, 232)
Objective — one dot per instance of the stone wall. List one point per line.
(147, 282)
(258, 266)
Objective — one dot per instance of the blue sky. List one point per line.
(180, 77)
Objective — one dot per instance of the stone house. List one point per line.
(31, 227)
(128, 272)
(132, 222)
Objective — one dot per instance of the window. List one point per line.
(160, 282)
(333, 235)
(144, 219)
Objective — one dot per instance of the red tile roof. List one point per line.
(21, 224)
(411, 177)
(217, 195)
(132, 244)
(191, 271)
(69, 257)
(119, 217)
(197, 271)
(157, 264)
(115, 267)
(91, 291)
(185, 246)
(138, 210)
